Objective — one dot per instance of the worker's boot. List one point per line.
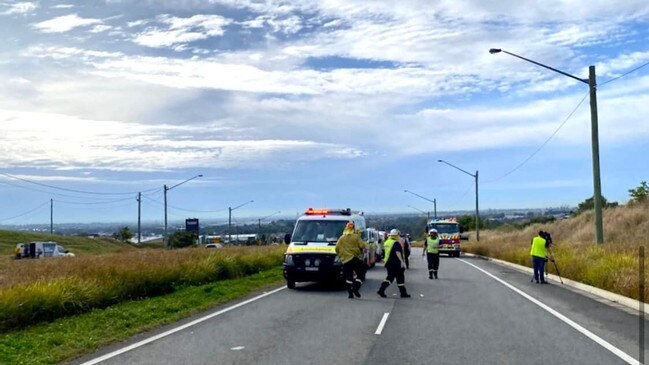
(350, 291)
(357, 285)
(381, 292)
(435, 274)
(430, 274)
(404, 293)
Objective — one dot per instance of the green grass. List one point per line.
(71, 337)
(76, 244)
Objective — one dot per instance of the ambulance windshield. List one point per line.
(318, 231)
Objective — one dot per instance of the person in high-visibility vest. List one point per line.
(350, 249)
(395, 264)
(539, 257)
(431, 251)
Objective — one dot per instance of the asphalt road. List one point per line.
(464, 317)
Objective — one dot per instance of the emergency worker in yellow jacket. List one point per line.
(431, 251)
(539, 257)
(350, 249)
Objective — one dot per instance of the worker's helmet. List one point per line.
(432, 231)
(394, 232)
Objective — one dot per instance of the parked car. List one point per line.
(213, 245)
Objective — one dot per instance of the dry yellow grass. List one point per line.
(38, 290)
(612, 266)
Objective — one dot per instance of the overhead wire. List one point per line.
(71, 190)
(624, 74)
(543, 144)
(25, 213)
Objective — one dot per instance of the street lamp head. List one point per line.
(201, 175)
(495, 50)
(440, 161)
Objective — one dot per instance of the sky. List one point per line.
(297, 104)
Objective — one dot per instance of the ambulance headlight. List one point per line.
(337, 261)
(288, 260)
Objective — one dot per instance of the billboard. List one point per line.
(191, 225)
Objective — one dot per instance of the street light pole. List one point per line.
(230, 209)
(477, 211)
(591, 81)
(427, 213)
(434, 201)
(165, 188)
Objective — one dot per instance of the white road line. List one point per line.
(616, 351)
(379, 329)
(177, 329)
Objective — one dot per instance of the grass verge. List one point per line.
(74, 336)
(612, 266)
(36, 291)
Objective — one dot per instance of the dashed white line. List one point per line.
(379, 329)
(177, 329)
(616, 351)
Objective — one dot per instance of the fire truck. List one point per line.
(311, 254)
(449, 234)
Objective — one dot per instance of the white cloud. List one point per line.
(62, 142)
(20, 8)
(182, 30)
(63, 6)
(100, 28)
(64, 23)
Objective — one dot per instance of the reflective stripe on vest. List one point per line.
(432, 245)
(538, 247)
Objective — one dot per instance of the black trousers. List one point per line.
(396, 273)
(433, 261)
(352, 266)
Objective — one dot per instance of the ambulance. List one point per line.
(449, 234)
(311, 254)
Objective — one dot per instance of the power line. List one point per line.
(542, 145)
(187, 210)
(25, 213)
(69, 190)
(624, 74)
(93, 203)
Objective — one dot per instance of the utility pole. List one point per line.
(435, 205)
(164, 239)
(229, 225)
(594, 134)
(594, 131)
(51, 216)
(139, 216)
(477, 211)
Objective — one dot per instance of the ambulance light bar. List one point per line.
(312, 211)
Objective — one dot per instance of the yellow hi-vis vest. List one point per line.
(387, 247)
(432, 245)
(538, 247)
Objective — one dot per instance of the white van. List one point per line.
(41, 249)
